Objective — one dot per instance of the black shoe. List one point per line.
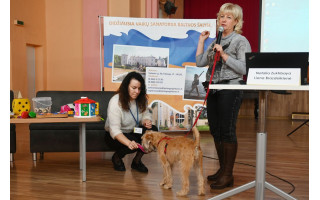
(118, 163)
(215, 176)
(139, 167)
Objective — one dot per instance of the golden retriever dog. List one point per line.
(177, 150)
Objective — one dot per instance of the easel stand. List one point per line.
(260, 184)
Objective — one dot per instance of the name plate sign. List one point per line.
(274, 76)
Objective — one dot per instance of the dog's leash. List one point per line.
(216, 59)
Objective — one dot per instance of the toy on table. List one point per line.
(32, 114)
(52, 115)
(65, 109)
(24, 114)
(68, 108)
(84, 107)
(20, 105)
(71, 113)
(42, 104)
(97, 108)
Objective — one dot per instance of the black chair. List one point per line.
(12, 132)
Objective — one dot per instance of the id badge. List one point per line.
(137, 130)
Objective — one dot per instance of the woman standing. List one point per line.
(223, 105)
(128, 119)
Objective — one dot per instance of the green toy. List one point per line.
(32, 114)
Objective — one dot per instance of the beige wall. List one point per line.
(91, 42)
(32, 13)
(55, 29)
(64, 44)
(119, 8)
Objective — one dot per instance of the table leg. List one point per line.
(80, 145)
(260, 165)
(261, 150)
(83, 150)
(262, 111)
(279, 192)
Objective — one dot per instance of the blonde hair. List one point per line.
(236, 11)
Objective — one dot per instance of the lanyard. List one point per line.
(137, 120)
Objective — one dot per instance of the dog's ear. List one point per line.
(148, 138)
(147, 144)
(154, 148)
(151, 147)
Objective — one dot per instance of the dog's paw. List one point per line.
(201, 190)
(162, 183)
(167, 186)
(182, 193)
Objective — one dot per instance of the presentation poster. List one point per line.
(164, 52)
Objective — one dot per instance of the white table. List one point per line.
(82, 133)
(260, 184)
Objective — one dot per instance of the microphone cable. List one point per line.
(293, 187)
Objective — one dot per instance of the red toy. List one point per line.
(65, 109)
(25, 114)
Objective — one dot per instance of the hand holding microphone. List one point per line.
(218, 47)
(218, 39)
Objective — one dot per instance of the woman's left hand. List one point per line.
(219, 48)
(147, 123)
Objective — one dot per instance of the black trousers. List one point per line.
(222, 108)
(122, 149)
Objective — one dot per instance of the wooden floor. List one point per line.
(58, 175)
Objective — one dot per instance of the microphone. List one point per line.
(219, 36)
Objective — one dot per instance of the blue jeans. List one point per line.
(222, 108)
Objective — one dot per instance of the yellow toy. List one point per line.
(97, 108)
(20, 105)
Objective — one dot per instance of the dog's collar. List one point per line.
(164, 138)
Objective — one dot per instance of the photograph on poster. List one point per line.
(127, 58)
(193, 89)
(168, 118)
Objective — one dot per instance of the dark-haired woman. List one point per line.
(128, 119)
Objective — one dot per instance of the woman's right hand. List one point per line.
(132, 145)
(125, 141)
(204, 35)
